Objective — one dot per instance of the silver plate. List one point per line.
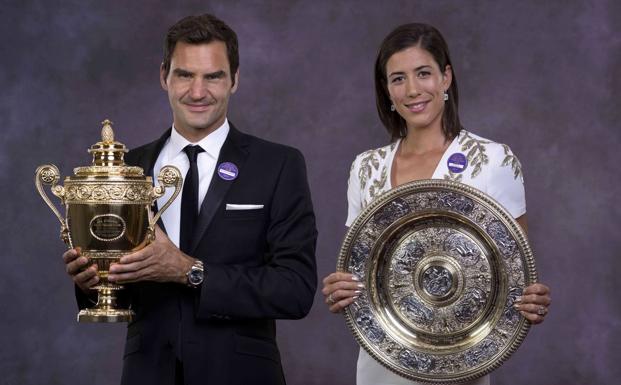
(442, 263)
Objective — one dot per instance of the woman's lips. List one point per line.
(416, 107)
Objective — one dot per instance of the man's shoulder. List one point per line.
(266, 148)
(134, 155)
(142, 149)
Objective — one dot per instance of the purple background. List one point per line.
(543, 77)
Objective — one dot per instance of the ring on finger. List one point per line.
(331, 300)
(542, 310)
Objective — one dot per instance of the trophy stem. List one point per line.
(107, 298)
(107, 309)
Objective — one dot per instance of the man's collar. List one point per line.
(212, 143)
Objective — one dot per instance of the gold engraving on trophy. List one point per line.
(110, 192)
(107, 227)
(107, 207)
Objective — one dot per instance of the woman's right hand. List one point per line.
(341, 290)
(77, 267)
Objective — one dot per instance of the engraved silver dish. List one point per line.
(442, 263)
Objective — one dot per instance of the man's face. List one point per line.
(199, 85)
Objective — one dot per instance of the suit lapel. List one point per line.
(233, 151)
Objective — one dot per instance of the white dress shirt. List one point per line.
(172, 154)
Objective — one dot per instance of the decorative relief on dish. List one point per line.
(437, 281)
(456, 202)
(366, 321)
(406, 258)
(440, 260)
(470, 306)
(466, 252)
(416, 310)
(499, 233)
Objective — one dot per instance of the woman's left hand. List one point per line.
(534, 303)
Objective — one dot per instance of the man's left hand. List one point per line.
(160, 261)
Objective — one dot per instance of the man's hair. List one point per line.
(201, 29)
(429, 39)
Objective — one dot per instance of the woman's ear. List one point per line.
(447, 77)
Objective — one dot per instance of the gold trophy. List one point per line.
(107, 214)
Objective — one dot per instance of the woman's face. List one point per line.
(416, 87)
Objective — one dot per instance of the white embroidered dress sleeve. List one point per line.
(354, 197)
(490, 167)
(505, 182)
(368, 178)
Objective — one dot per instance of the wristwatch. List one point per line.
(196, 274)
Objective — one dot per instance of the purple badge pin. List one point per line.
(228, 171)
(457, 162)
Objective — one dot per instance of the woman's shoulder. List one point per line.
(369, 171)
(483, 152)
(470, 139)
(374, 156)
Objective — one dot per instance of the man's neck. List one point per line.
(195, 135)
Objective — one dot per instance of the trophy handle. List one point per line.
(48, 174)
(169, 176)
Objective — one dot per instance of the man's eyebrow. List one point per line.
(215, 75)
(180, 71)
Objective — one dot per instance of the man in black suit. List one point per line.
(238, 248)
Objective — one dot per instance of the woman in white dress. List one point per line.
(417, 99)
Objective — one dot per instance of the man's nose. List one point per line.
(198, 89)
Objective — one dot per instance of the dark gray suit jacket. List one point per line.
(260, 266)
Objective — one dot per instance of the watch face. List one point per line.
(196, 276)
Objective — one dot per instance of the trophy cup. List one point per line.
(107, 214)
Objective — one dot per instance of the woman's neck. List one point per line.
(422, 141)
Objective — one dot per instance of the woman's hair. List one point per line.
(429, 39)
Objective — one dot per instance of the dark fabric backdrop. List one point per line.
(541, 76)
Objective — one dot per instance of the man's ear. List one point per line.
(236, 77)
(163, 77)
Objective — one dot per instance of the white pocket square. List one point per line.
(230, 206)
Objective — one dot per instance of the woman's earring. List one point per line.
(392, 107)
(445, 96)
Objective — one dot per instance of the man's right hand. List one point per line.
(84, 277)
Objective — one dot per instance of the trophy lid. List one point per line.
(108, 157)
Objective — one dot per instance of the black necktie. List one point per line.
(189, 199)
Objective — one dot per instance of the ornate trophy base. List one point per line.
(105, 315)
(107, 309)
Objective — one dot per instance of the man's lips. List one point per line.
(416, 107)
(197, 107)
